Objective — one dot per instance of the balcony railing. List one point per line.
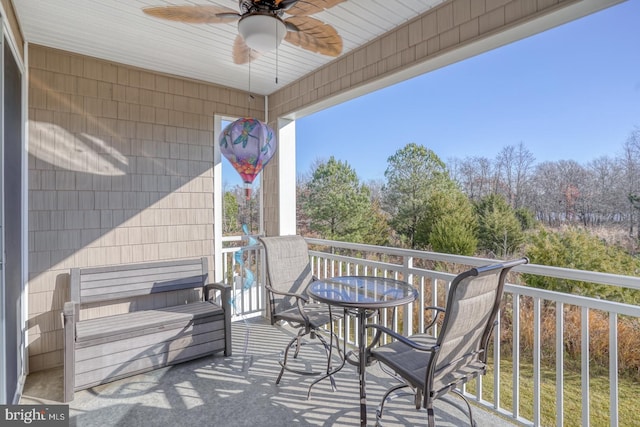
(526, 318)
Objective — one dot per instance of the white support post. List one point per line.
(287, 177)
(217, 201)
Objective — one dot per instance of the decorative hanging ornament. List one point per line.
(248, 144)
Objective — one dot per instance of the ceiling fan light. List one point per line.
(262, 32)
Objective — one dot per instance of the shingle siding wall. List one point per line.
(120, 171)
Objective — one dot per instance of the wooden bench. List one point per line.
(165, 315)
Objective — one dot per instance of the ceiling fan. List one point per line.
(262, 25)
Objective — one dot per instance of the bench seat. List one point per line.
(140, 323)
(114, 346)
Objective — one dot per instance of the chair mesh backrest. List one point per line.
(288, 267)
(471, 309)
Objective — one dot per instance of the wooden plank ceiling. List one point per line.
(119, 31)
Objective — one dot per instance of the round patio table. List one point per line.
(360, 296)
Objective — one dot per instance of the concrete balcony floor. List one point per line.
(241, 391)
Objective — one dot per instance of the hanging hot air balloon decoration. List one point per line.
(248, 144)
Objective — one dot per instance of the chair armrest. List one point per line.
(435, 316)
(485, 344)
(298, 297)
(382, 329)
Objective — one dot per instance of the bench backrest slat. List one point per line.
(99, 284)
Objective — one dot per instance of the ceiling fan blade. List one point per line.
(286, 4)
(309, 7)
(243, 53)
(314, 35)
(196, 14)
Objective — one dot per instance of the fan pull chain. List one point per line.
(277, 38)
(250, 95)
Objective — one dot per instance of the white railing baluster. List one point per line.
(496, 362)
(421, 311)
(408, 310)
(613, 370)
(559, 364)
(536, 361)
(434, 301)
(585, 365)
(516, 356)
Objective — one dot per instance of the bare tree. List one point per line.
(546, 197)
(515, 165)
(561, 191)
(474, 176)
(505, 167)
(524, 163)
(630, 163)
(608, 193)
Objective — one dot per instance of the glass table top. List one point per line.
(362, 291)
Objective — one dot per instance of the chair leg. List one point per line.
(298, 344)
(283, 364)
(328, 347)
(430, 415)
(471, 422)
(380, 408)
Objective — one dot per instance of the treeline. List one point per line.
(504, 207)
(605, 191)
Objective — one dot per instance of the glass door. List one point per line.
(3, 305)
(12, 342)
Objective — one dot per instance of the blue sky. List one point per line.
(572, 92)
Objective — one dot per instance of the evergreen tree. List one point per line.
(376, 227)
(413, 174)
(450, 225)
(499, 231)
(337, 205)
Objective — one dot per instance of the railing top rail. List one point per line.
(578, 300)
(540, 270)
(543, 294)
(442, 275)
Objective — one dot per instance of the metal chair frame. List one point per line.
(456, 355)
(300, 313)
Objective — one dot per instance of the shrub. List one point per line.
(526, 218)
(577, 249)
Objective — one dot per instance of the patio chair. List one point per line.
(434, 366)
(288, 275)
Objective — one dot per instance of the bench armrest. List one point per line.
(225, 302)
(69, 317)
(222, 288)
(70, 309)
